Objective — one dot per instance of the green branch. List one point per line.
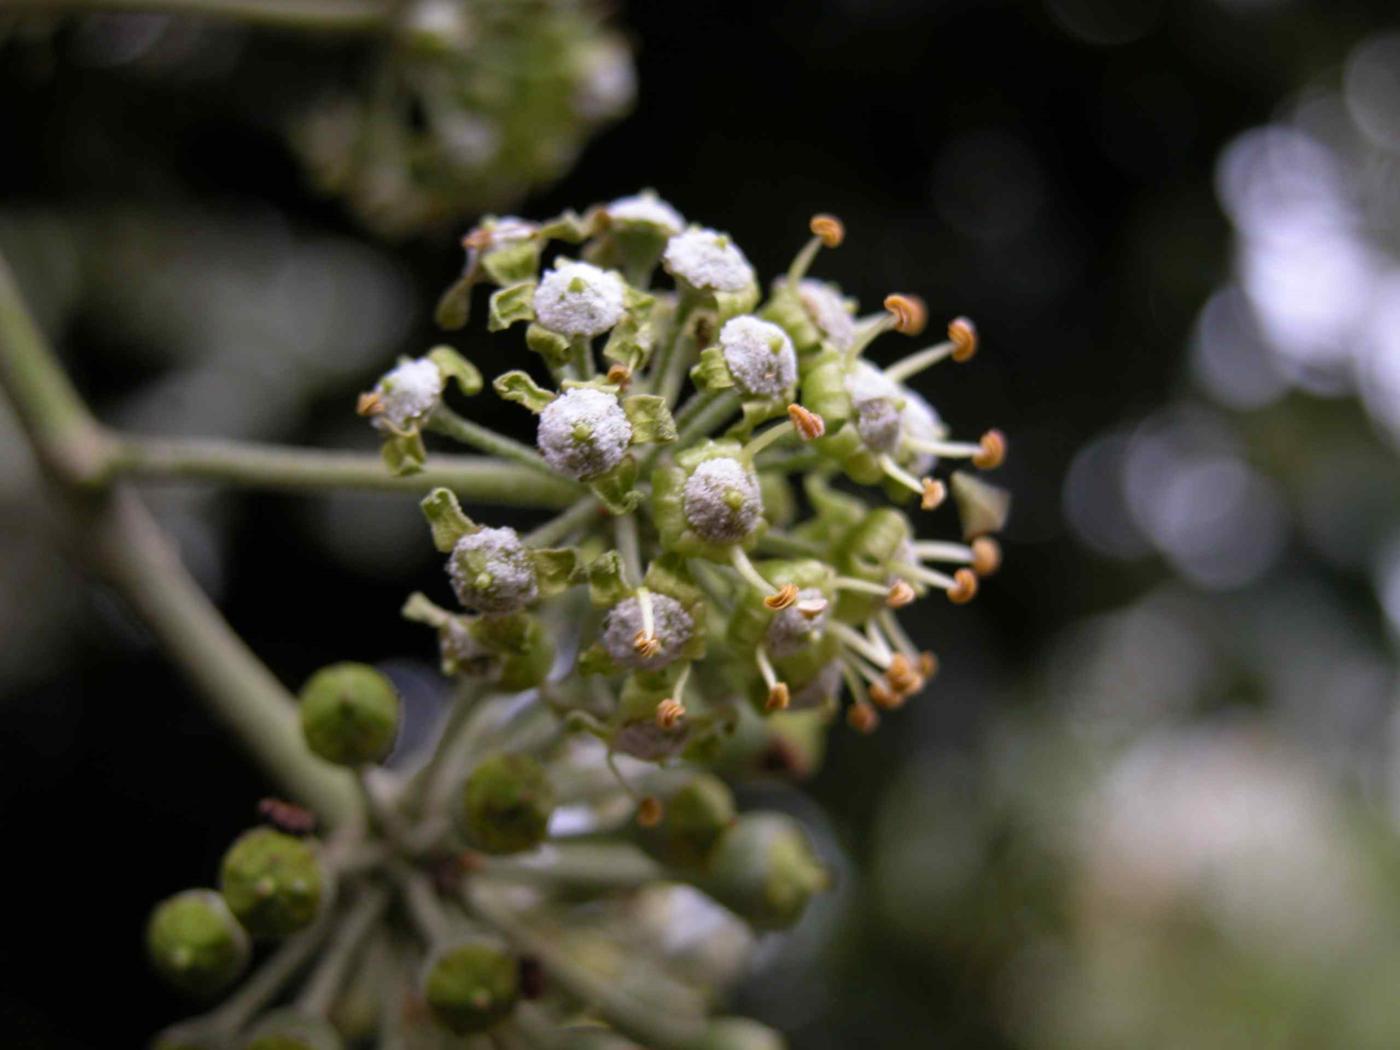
(478, 479)
(343, 16)
(122, 542)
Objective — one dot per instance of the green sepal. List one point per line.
(630, 342)
(446, 518)
(455, 304)
(595, 660)
(983, 507)
(617, 488)
(556, 569)
(779, 503)
(552, 346)
(712, 373)
(512, 304)
(404, 453)
(650, 418)
(606, 586)
(514, 262)
(824, 388)
(732, 304)
(756, 411)
(570, 226)
(419, 608)
(636, 300)
(518, 387)
(457, 368)
(522, 647)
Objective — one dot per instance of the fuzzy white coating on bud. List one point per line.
(708, 260)
(820, 690)
(888, 414)
(407, 395)
(583, 433)
(791, 630)
(491, 571)
(578, 299)
(721, 500)
(829, 311)
(759, 355)
(671, 627)
(646, 209)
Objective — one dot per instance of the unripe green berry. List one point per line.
(506, 804)
(764, 870)
(739, 1033)
(289, 1030)
(350, 714)
(471, 986)
(272, 882)
(196, 943)
(696, 816)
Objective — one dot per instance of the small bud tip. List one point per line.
(829, 228)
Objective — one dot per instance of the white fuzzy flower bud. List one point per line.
(708, 260)
(828, 311)
(791, 629)
(584, 433)
(721, 500)
(578, 299)
(759, 355)
(491, 571)
(888, 414)
(671, 627)
(646, 209)
(407, 395)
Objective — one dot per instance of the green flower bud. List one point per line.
(739, 1033)
(196, 943)
(506, 804)
(764, 870)
(272, 882)
(289, 1030)
(350, 714)
(696, 816)
(471, 986)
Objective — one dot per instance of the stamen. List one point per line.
(809, 425)
(853, 583)
(883, 696)
(669, 713)
(650, 811)
(966, 589)
(645, 641)
(960, 345)
(993, 451)
(827, 232)
(986, 556)
(763, 440)
(910, 314)
(854, 640)
(811, 608)
(778, 698)
(928, 664)
(890, 622)
(778, 695)
(963, 333)
(777, 598)
(899, 474)
(862, 717)
(369, 403)
(961, 586)
(619, 375)
(933, 494)
(829, 229)
(900, 595)
(877, 639)
(937, 550)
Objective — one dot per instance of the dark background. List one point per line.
(1048, 173)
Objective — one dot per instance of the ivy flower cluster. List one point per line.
(475, 102)
(741, 490)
